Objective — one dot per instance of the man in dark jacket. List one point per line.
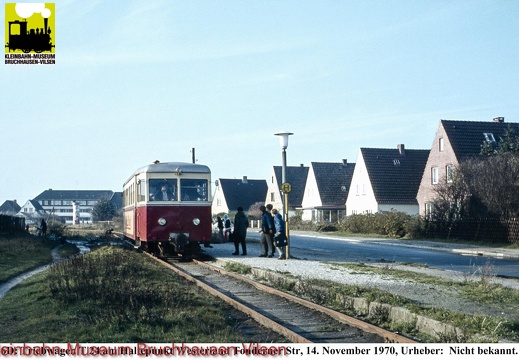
(267, 232)
(241, 224)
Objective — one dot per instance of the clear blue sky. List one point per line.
(138, 81)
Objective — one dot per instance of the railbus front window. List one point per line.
(163, 190)
(193, 189)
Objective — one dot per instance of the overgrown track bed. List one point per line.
(298, 320)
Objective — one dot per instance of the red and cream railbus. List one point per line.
(167, 207)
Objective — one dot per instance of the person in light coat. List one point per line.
(279, 224)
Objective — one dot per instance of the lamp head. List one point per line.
(283, 138)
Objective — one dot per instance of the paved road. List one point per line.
(459, 257)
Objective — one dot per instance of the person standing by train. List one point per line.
(267, 232)
(227, 227)
(280, 236)
(219, 224)
(241, 224)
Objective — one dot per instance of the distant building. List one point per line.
(231, 193)
(75, 206)
(9, 207)
(32, 211)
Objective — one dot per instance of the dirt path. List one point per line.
(8, 285)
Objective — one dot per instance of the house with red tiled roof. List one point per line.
(386, 180)
(455, 141)
(326, 191)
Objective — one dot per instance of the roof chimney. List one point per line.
(244, 180)
(499, 119)
(344, 162)
(401, 149)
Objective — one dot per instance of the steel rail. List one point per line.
(390, 337)
(261, 319)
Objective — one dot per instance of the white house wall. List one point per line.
(311, 197)
(361, 198)
(274, 194)
(219, 205)
(408, 209)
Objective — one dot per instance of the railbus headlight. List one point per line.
(196, 221)
(162, 221)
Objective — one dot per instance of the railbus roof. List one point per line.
(172, 167)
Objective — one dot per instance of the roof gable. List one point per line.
(244, 193)
(466, 137)
(395, 177)
(333, 181)
(36, 205)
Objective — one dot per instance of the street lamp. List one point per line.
(283, 142)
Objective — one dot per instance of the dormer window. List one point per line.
(489, 137)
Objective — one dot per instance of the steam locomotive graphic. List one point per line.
(27, 40)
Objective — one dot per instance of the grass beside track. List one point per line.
(114, 295)
(21, 253)
(477, 328)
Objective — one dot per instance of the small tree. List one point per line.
(451, 203)
(103, 211)
(254, 211)
(494, 185)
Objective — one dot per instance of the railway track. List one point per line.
(298, 320)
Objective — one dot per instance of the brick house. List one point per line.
(455, 140)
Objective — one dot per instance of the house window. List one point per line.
(449, 169)
(440, 144)
(434, 175)
(489, 137)
(428, 210)
(272, 197)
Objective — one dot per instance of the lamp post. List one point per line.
(285, 187)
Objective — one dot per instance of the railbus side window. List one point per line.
(163, 190)
(193, 189)
(141, 190)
